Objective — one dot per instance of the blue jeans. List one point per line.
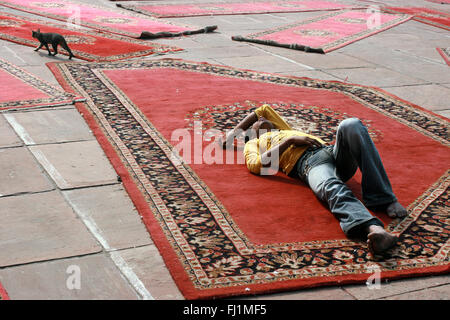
(326, 169)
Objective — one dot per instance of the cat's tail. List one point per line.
(66, 47)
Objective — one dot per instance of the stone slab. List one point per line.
(331, 60)
(113, 213)
(432, 97)
(378, 77)
(52, 126)
(413, 39)
(148, 265)
(11, 52)
(313, 74)
(244, 24)
(428, 53)
(216, 39)
(264, 63)
(396, 287)
(38, 227)
(8, 137)
(42, 72)
(219, 52)
(435, 293)
(330, 293)
(20, 173)
(99, 279)
(185, 43)
(75, 164)
(444, 113)
(405, 63)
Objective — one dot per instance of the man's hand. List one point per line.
(304, 140)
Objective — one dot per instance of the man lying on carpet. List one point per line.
(325, 169)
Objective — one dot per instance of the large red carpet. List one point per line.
(205, 9)
(440, 19)
(223, 231)
(102, 18)
(86, 45)
(327, 32)
(20, 90)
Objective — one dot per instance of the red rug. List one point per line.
(205, 9)
(3, 293)
(86, 45)
(20, 89)
(103, 18)
(325, 33)
(223, 231)
(435, 18)
(445, 53)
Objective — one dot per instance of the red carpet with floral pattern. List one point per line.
(22, 90)
(432, 17)
(327, 32)
(223, 231)
(102, 18)
(86, 45)
(206, 9)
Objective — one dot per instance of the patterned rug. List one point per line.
(206, 9)
(445, 53)
(435, 18)
(223, 231)
(105, 19)
(327, 32)
(86, 45)
(3, 293)
(20, 90)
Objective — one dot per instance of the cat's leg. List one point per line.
(66, 47)
(48, 49)
(40, 46)
(55, 48)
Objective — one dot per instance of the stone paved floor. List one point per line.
(62, 207)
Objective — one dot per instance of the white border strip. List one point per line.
(120, 263)
(21, 132)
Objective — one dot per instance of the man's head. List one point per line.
(262, 126)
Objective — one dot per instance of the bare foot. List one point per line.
(396, 210)
(379, 240)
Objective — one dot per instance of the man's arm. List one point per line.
(270, 114)
(243, 125)
(271, 157)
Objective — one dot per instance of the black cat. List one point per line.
(54, 39)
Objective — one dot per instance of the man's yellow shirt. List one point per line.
(256, 147)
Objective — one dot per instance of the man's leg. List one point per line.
(353, 216)
(350, 212)
(354, 148)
